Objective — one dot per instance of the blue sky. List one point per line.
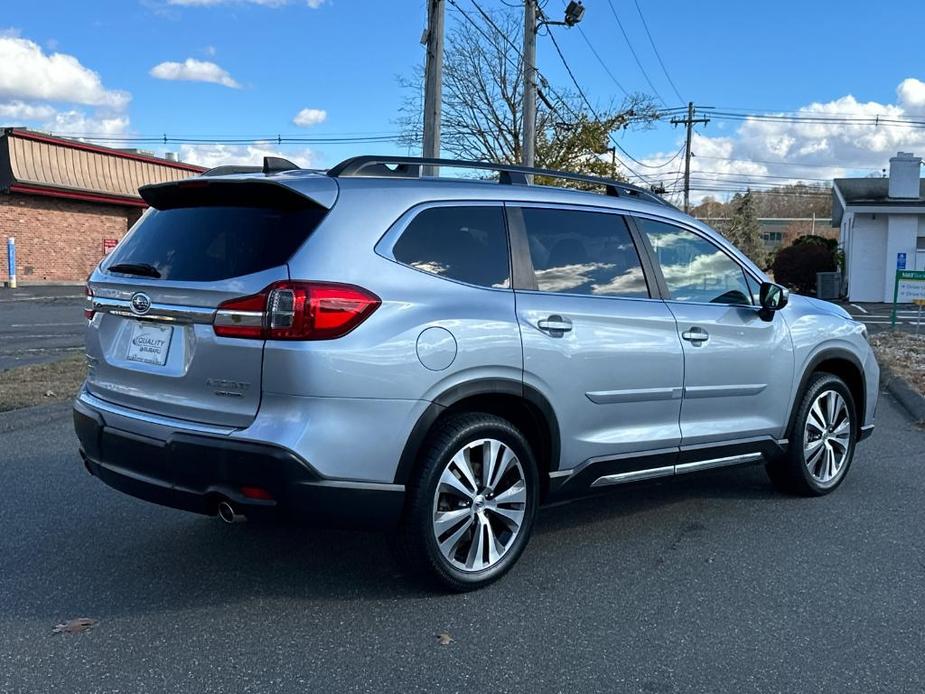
(270, 59)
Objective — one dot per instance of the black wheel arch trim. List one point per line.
(824, 355)
(462, 391)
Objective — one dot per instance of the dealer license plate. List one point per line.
(150, 343)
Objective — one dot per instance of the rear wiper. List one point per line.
(140, 269)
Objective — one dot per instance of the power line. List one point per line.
(601, 61)
(782, 163)
(584, 98)
(497, 29)
(655, 50)
(633, 51)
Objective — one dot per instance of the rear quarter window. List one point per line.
(206, 244)
(463, 243)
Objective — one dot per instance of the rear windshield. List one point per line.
(215, 243)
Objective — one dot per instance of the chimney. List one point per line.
(904, 175)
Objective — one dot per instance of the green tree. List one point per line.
(742, 227)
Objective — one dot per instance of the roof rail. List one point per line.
(509, 174)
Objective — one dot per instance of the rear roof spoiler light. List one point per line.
(295, 310)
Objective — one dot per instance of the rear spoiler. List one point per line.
(240, 192)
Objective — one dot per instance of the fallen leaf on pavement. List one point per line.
(445, 639)
(74, 626)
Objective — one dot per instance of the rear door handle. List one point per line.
(554, 325)
(696, 335)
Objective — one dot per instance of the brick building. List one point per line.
(67, 202)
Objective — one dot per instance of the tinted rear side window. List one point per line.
(214, 243)
(578, 252)
(465, 243)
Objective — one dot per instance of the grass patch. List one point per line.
(37, 384)
(904, 353)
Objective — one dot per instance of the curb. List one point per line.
(911, 400)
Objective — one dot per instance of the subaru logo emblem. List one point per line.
(141, 304)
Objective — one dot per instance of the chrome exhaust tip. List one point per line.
(227, 513)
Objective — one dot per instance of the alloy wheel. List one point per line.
(479, 505)
(827, 437)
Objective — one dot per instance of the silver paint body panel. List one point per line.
(621, 381)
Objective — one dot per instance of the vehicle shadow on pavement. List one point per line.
(194, 562)
(147, 559)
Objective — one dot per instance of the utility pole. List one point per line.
(433, 82)
(529, 106)
(533, 17)
(689, 122)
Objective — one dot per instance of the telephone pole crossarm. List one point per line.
(689, 123)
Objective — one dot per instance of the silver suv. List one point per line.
(370, 346)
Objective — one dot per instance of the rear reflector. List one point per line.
(293, 310)
(88, 308)
(257, 493)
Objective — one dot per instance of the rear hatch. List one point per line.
(151, 344)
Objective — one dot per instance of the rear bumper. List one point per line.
(194, 472)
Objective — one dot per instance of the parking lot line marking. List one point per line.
(40, 298)
(43, 325)
(860, 308)
(880, 322)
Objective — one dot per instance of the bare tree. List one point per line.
(482, 95)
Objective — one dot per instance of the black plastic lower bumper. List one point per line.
(195, 472)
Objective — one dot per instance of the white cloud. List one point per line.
(783, 151)
(313, 4)
(77, 123)
(219, 154)
(911, 93)
(21, 111)
(192, 70)
(28, 73)
(310, 116)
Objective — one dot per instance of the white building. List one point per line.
(882, 222)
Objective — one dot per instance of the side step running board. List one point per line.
(671, 470)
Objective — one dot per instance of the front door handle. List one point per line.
(696, 335)
(554, 325)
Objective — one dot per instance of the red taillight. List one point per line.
(296, 311)
(88, 309)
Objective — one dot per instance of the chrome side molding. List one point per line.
(634, 476)
(672, 470)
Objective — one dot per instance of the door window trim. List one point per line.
(663, 285)
(524, 274)
(385, 246)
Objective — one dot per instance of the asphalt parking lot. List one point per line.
(40, 324)
(712, 583)
(878, 317)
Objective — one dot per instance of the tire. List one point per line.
(437, 537)
(822, 439)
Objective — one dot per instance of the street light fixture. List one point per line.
(574, 11)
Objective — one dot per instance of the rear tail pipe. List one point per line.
(229, 514)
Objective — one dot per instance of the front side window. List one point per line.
(576, 252)
(694, 268)
(464, 243)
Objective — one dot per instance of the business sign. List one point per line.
(910, 287)
(109, 245)
(900, 261)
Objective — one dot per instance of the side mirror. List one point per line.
(772, 297)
